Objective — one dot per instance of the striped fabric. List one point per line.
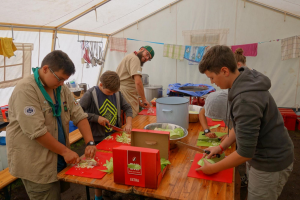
(290, 48)
(174, 51)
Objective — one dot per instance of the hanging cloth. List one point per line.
(46, 95)
(7, 47)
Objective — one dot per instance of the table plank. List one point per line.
(106, 183)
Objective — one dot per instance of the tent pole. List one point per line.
(53, 40)
(139, 20)
(274, 8)
(82, 14)
(50, 29)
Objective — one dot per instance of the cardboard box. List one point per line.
(146, 150)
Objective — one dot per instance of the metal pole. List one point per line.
(53, 29)
(273, 8)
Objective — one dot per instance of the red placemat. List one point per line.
(210, 122)
(222, 176)
(95, 172)
(107, 145)
(144, 112)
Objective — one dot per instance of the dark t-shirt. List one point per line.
(108, 109)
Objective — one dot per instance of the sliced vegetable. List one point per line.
(109, 138)
(177, 132)
(164, 163)
(215, 126)
(134, 166)
(193, 112)
(87, 164)
(212, 160)
(124, 138)
(109, 166)
(216, 120)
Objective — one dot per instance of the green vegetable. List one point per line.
(176, 133)
(109, 165)
(124, 138)
(90, 163)
(215, 126)
(164, 163)
(216, 120)
(134, 166)
(212, 161)
(109, 137)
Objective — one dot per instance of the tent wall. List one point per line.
(67, 43)
(251, 24)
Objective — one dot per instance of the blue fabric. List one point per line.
(194, 53)
(61, 164)
(175, 87)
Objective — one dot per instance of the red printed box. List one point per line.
(139, 164)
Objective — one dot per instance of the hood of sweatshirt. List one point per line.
(248, 80)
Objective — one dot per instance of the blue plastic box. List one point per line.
(72, 127)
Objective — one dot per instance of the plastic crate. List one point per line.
(72, 127)
(289, 118)
(298, 123)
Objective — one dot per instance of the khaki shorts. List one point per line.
(48, 191)
(266, 185)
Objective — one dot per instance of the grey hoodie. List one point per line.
(258, 124)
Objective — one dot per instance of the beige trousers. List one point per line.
(266, 185)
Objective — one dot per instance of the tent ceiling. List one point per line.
(292, 6)
(111, 17)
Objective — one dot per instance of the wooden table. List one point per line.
(175, 183)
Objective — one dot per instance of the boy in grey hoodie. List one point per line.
(262, 140)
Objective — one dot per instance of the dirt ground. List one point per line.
(291, 190)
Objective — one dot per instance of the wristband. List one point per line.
(221, 148)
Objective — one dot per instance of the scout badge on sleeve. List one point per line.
(29, 110)
(75, 102)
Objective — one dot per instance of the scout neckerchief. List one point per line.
(46, 95)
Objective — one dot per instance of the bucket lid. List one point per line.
(153, 86)
(172, 100)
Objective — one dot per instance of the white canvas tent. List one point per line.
(159, 21)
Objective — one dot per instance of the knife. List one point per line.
(196, 148)
(219, 139)
(116, 128)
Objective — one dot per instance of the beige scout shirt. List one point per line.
(130, 66)
(31, 117)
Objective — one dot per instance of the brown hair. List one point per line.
(217, 57)
(57, 60)
(110, 80)
(239, 57)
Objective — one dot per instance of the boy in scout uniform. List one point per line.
(130, 73)
(40, 109)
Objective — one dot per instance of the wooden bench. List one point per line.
(5, 179)
(74, 136)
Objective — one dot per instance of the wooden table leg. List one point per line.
(237, 186)
(87, 192)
